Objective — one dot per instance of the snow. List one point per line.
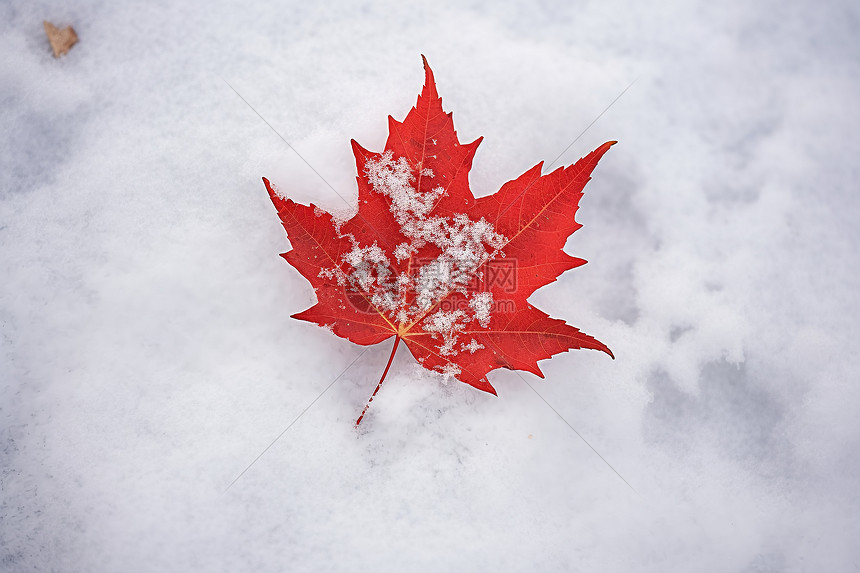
(472, 347)
(148, 355)
(449, 372)
(482, 304)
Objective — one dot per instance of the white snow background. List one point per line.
(148, 355)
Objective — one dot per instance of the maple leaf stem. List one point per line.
(381, 380)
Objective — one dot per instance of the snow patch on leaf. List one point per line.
(482, 304)
(448, 371)
(472, 347)
(463, 245)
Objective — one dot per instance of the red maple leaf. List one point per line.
(426, 262)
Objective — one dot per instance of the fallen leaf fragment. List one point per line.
(61, 40)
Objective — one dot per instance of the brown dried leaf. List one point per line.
(61, 40)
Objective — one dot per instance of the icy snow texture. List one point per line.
(147, 354)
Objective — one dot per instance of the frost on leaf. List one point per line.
(425, 262)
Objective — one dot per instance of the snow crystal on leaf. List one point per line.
(448, 371)
(402, 251)
(482, 304)
(446, 324)
(472, 347)
(394, 180)
(370, 265)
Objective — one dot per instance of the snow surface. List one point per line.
(148, 355)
